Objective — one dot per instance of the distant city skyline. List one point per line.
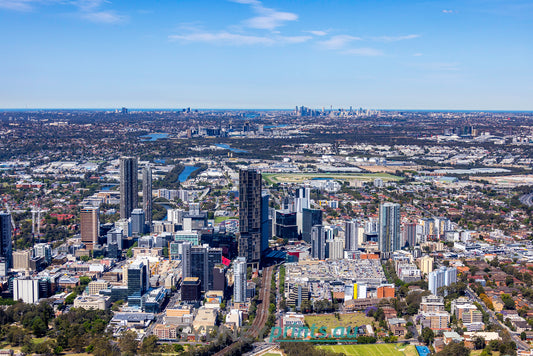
(251, 54)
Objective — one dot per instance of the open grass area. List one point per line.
(365, 350)
(410, 350)
(219, 219)
(478, 352)
(331, 322)
(272, 178)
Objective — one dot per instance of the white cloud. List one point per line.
(247, 2)
(267, 19)
(18, 5)
(223, 38)
(417, 54)
(88, 5)
(338, 42)
(270, 20)
(236, 39)
(318, 33)
(104, 17)
(439, 66)
(395, 38)
(364, 51)
(448, 11)
(88, 9)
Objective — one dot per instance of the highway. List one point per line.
(527, 199)
(261, 315)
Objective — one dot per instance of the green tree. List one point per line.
(39, 327)
(104, 347)
(454, 349)
(178, 348)
(428, 336)
(128, 343)
(149, 345)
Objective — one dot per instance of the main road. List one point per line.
(527, 199)
(492, 316)
(261, 315)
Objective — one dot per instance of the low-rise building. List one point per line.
(92, 302)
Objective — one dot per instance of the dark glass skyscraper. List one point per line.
(147, 195)
(128, 186)
(250, 202)
(6, 246)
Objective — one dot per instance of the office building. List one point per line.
(185, 259)
(310, 218)
(90, 226)
(194, 219)
(335, 249)
(199, 265)
(389, 229)
(128, 186)
(303, 199)
(21, 260)
(318, 242)
(137, 222)
(214, 258)
(219, 277)
(351, 235)
(6, 244)
(147, 195)
(138, 282)
(239, 283)
(266, 222)
(200, 261)
(43, 250)
(250, 202)
(285, 225)
(191, 289)
(115, 237)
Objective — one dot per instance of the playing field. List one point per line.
(301, 177)
(365, 350)
(331, 322)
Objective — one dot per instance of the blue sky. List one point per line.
(468, 54)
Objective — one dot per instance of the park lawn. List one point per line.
(478, 352)
(219, 219)
(331, 322)
(272, 178)
(364, 350)
(410, 350)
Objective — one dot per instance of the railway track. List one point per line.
(261, 315)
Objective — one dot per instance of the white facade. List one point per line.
(26, 290)
(239, 288)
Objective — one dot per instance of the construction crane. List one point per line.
(36, 210)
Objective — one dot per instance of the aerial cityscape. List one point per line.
(266, 178)
(232, 231)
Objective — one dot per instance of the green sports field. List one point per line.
(365, 350)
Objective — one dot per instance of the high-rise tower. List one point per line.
(239, 273)
(147, 195)
(6, 244)
(90, 226)
(250, 202)
(351, 235)
(389, 229)
(128, 186)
